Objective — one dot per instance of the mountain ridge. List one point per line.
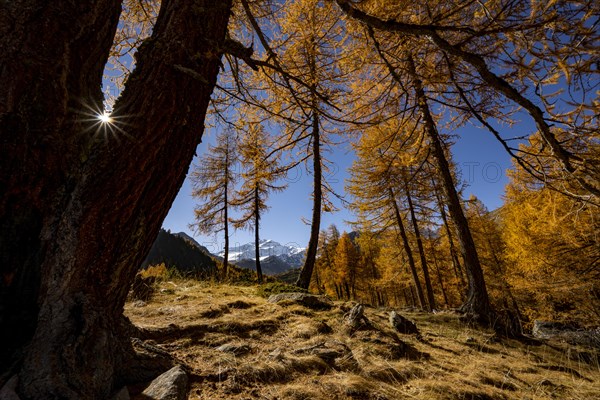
(275, 257)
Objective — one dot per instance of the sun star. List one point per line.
(105, 118)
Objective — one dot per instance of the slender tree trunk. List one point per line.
(256, 235)
(477, 303)
(424, 266)
(225, 272)
(315, 226)
(439, 276)
(81, 205)
(406, 299)
(318, 278)
(499, 270)
(453, 256)
(406, 244)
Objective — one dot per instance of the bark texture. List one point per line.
(313, 243)
(477, 303)
(407, 249)
(80, 205)
(430, 296)
(257, 234)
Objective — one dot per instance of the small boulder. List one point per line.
(548, 329)
(571, 334)
(172, 385)
(236, 349)
(276, 354)
(401, 324)
(139, 303)
(313, 301)
(355, 318)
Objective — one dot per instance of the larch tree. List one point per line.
(82, 198)
(477, 302)
(260, 172)
(373, 186)
(411, 87)
(304, 91)
(369, 248)
(405, 182)
(475, 62)
(213, 183)
(324, 272)
(496, 56)
(486, 230)
(346, 265)
(314, 34)
(552, 248)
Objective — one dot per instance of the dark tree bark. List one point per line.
(79, 207)
(439, 276)
(454, 257)
(256, 235)
(225, 272)
(311, 252)
(412, 296)
(477, 303)
(424, 266)
(407, 249)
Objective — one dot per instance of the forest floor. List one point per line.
(237, 345)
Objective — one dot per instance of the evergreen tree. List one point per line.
(552, 249)
(373, 186)
(346, 265)
(213, 181)
(324, 273)
(259, 176)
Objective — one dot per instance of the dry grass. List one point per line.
(291, 352)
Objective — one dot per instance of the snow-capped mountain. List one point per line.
(291, 254)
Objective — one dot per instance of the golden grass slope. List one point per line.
(292, 352)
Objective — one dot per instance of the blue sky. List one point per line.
(480, 157)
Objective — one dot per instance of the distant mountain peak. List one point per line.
(281, 257)
(267, 247)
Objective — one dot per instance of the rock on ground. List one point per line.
(236, 349)
(401, 324)
(355, 318)
(308, 300)
(172, 385)
(568, 333)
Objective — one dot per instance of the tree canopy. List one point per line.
(84, 190)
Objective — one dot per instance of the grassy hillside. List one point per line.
(288, 351)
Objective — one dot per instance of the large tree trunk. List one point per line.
(81, 206)
(477, 303)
